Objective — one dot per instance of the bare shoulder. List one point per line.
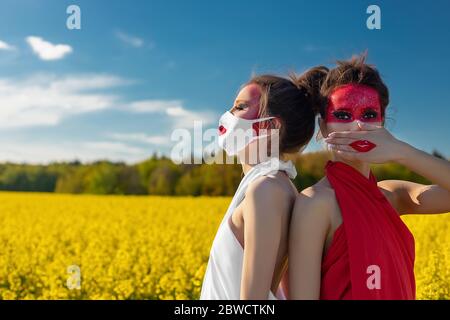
(318, 200)
(270, 192)
(273, 186)
(320, 195)
(315, 212)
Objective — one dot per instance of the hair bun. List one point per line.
(310, 82)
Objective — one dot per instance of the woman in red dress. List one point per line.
(347, 240)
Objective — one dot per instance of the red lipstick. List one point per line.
(362, 145)
(222, 130)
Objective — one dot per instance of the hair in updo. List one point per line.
(295, 101)
(357, 71)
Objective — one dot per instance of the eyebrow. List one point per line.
(240, 100)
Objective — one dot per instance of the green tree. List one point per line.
(101, 178)
(129, 181)
(163, 179)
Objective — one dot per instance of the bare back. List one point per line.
(237, 221)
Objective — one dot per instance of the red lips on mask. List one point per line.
(222, 130)
(362, 145)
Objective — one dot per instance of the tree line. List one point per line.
(160, 176)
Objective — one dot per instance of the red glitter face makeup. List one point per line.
(352, 102)
(246, 105)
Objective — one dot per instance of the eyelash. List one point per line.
(240, 106)
(341, 114)
(372, 113)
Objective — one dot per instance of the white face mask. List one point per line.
(236, 133)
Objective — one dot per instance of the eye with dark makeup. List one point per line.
(240, 106)
(370, 114)
(342, 115)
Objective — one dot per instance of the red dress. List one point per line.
(371, 256)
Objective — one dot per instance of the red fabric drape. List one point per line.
(371, 238)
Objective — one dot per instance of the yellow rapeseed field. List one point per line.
(114, 247)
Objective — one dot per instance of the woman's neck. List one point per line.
(360, 166)
(246, 166)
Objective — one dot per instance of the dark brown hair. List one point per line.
(357, 71)
(294, 101)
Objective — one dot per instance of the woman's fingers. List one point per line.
(368, 126)
(348, 152)
(338, 141)
(342, 147)
(348, 134)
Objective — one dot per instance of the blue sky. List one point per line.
(137, 70)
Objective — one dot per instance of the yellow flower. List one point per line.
(144, 247)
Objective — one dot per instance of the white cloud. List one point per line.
(32, 152)
(49, 100)
(5, 46)
(177, 111)
(112, 147)
(46, 50)
(45, 100)
(150, 106)
(182, 117)
(141, 138)
(129, 39)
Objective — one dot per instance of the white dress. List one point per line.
(222, 280)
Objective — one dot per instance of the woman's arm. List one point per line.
(309, 226)
(410, 197)
(416, 198)
(434, 169)
(264, 206)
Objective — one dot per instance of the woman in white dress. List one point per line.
(248, 257)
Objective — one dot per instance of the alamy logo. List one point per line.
(74, 279)
(374, 20)
(374, 280)
(74, 20)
